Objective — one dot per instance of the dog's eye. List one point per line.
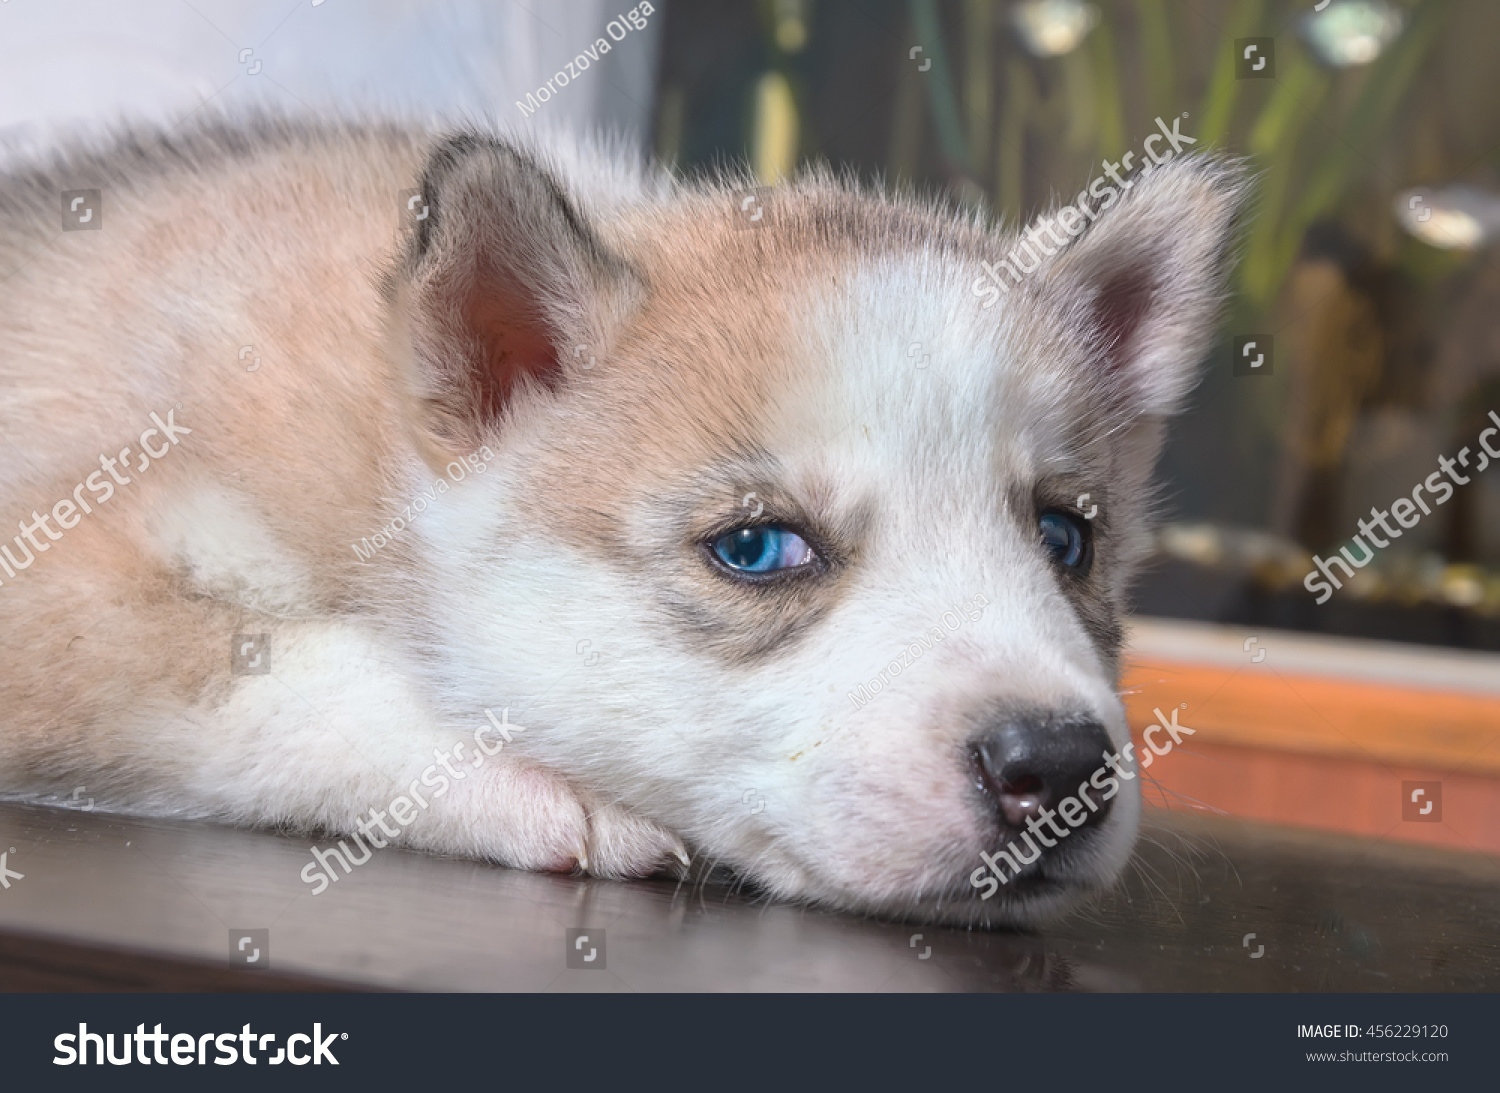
(766, 549)
(1067, 539)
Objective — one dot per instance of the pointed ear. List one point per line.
(1142, 286)
(501, 283)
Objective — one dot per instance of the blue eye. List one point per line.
(1065, 539)
(766, 549)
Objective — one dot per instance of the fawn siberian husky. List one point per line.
(577, 516)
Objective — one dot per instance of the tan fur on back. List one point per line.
(278, 243)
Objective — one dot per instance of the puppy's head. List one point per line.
(792, 544)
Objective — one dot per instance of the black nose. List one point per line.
(1031, 762)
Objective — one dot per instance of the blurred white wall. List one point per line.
(69, 65)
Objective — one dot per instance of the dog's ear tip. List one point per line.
(501, 275)
(1208, 180)
(1150, 272)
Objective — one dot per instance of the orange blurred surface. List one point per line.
(1321, 752)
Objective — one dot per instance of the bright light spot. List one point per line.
(1049, 28)
(1352, 32)
(1455, 218)
(790, 18)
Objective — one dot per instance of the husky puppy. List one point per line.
(575, 517)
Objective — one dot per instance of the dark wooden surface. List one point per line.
(115, 903)
(36, 962)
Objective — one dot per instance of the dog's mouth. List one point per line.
(1040, 892)
(1001, 853)
(1034, 899)
(1036, 881)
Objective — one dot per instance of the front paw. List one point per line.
(532, 818)
(622, 844)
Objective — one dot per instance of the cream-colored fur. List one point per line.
(635, 360)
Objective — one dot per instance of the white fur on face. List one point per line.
(771, 768)
(874, 394)
(887, 810)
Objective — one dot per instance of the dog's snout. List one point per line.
(1031, 762)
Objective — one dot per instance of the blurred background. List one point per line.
(1368, 279)
(1367, 265)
